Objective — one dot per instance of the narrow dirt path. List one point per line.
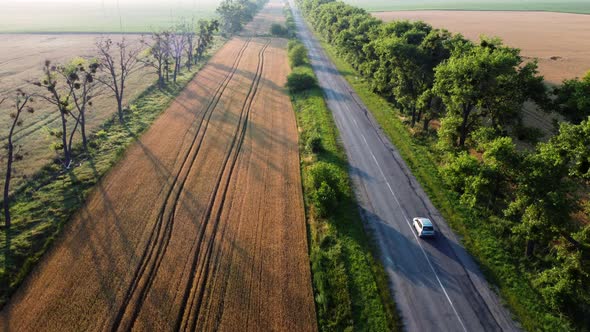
(200, 227)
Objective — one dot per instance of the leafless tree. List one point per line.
(178, 44)
(158, 53)
(80, 77)
(118, 60)
(190, 44)
(22, 100)
(59, 96)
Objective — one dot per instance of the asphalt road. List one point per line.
(437, 286)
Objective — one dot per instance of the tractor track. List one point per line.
(159, 239)
(195, 287)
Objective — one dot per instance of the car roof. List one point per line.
(425, 221)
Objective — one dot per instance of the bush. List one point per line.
(330, 174)
(297, 55)
(292, 43)
(529, 134)
(300, 80)
(324, 199)
(277, 29)
(314, 142)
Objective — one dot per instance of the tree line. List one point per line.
(235, 13)
(538, 198)
(69, 89)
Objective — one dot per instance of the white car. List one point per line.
(424, 227)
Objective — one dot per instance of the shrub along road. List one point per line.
(437, 285)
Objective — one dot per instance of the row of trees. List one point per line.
(235, 13)
(69, 89)
(166, 50)
(477, 91)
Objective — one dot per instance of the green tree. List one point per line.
(277, 29)
(235, 13)
(573, 99)
(207, 29)
(301, 79)
(297, 55)
(488, 81)
(543, 202)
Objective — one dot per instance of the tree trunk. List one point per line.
(189, 60)
(7, 182)
(167, 69)
(120, 100)
(176, 66)
(71, 141)
(120, 109)
(572, 241)
(8, 177)
(426, 123)
(464, 128)
(530, 248)
(83, 129)
(413, 117)
(64, 140)
(160, 76)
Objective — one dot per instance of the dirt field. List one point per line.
(201, 226)
(560, 41)
(21, 60)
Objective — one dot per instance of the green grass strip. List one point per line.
(350, 285)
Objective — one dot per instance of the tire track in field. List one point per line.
(194, 291)
(161, 232)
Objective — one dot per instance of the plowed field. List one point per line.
(201, 226)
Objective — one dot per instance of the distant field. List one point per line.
(24, 16)
(571, 6)
(560, 41)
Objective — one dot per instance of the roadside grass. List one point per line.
(46, 202)
(476, 233)
(350, 286)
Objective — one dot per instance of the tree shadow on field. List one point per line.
(85, 232)
(250, 76)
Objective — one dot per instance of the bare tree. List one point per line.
(178, 44)
(80, 77)
(190, 44)
(21, 101)
(117, 61)
(60, 98)
(158, 53)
